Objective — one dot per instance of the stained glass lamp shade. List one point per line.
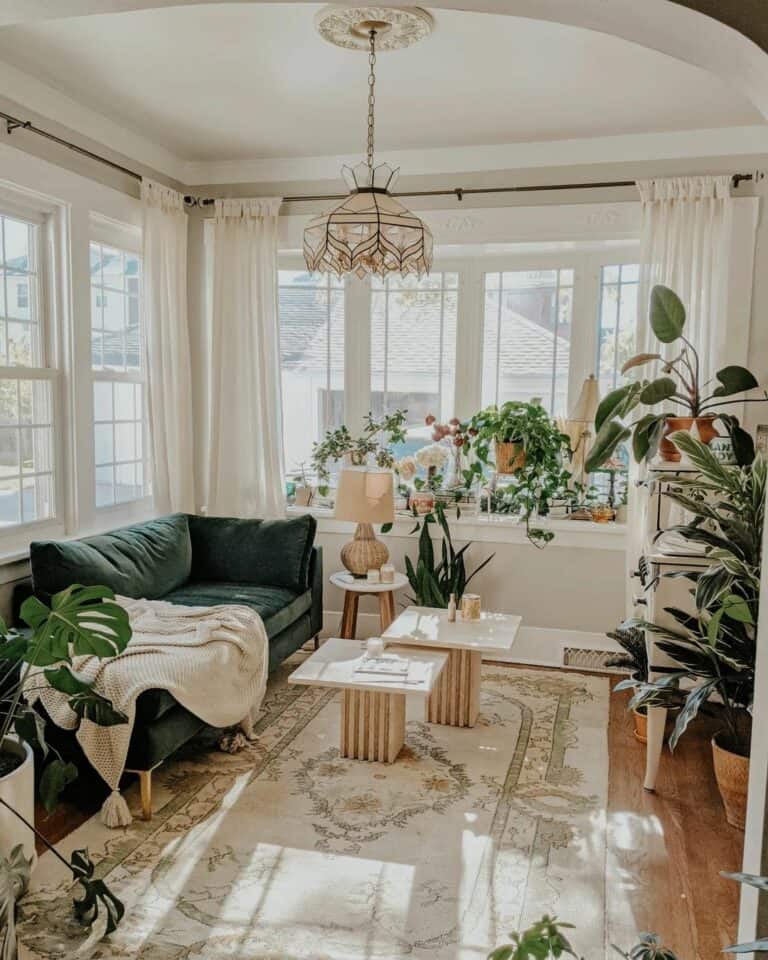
(370, 231)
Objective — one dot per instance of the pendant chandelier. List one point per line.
(370, 232)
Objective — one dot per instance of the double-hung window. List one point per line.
(618, 322)
(311, 311)
(118, 368)
(413, 349)
(528, 318)
(28, 376)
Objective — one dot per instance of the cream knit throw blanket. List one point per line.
(213, 660)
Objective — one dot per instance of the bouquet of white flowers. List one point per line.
(435, 455)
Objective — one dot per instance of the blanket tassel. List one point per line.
(115, 812)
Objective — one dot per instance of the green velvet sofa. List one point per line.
(270, 565)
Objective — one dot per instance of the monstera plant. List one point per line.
(675, 400)
(79, 621)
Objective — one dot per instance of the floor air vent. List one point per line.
(583, 659)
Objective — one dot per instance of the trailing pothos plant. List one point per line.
(80, 621)
(679, 388)
(543, 474)
(375, 441)
(715, 648)
(433, 583)
(546, 939)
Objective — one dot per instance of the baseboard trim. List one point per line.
(535, 646)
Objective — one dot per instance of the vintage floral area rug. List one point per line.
(287, 851)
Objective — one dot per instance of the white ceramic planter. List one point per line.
(18, 789)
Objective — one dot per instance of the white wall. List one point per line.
(576, 583)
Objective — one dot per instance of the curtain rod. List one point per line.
(14, 123)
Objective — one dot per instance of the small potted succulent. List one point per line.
(679, 386)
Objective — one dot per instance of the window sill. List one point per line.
(493, 529)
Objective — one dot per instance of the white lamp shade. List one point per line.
(365, 496)
(585, 408)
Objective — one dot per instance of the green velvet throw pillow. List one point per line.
(269, 552)
(144, 560)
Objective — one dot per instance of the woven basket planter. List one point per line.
(510, 457)
(732, 775)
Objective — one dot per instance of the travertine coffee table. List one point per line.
(456, 699)
(373, 710)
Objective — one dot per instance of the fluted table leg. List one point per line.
(455, 701)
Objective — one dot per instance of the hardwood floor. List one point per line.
(665, 850)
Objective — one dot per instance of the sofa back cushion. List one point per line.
(269, 552)
(144, 560)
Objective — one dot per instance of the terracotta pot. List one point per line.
(422, 502)
(510, 457)
(732, 775)
(641, 726)
(668, 451)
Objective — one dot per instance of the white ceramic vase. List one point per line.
(18, 789)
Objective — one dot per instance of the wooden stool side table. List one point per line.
(355, 588)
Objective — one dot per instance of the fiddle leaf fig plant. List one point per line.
(679, 387)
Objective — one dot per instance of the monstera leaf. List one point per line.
(96, 894)
(81, 620)
(83, 699)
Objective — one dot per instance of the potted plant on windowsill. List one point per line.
(679, 386)
(716, 647)
(81, 621)
(526, 444)
(375, 442)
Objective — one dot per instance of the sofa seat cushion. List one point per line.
(145, 560)
(278, 607)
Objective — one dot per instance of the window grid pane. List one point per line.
(311, 313)
(20, 342)
(26, 451)
(119, 449)
(116, 334)
(617, 322)
(527, 337)
(120, 430)
(413, 350)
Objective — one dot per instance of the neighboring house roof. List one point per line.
(526, 346)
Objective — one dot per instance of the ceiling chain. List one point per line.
(371, 95)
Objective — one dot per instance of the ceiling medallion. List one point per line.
(397, 27)
(371, 232)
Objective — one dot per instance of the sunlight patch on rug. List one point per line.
(288, 851)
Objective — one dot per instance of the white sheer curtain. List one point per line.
(698, 240)
(684, 244)
(245, 462)
(169, 378)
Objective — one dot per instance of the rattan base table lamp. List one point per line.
(365, 497)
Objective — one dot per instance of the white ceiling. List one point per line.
(234, 82)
